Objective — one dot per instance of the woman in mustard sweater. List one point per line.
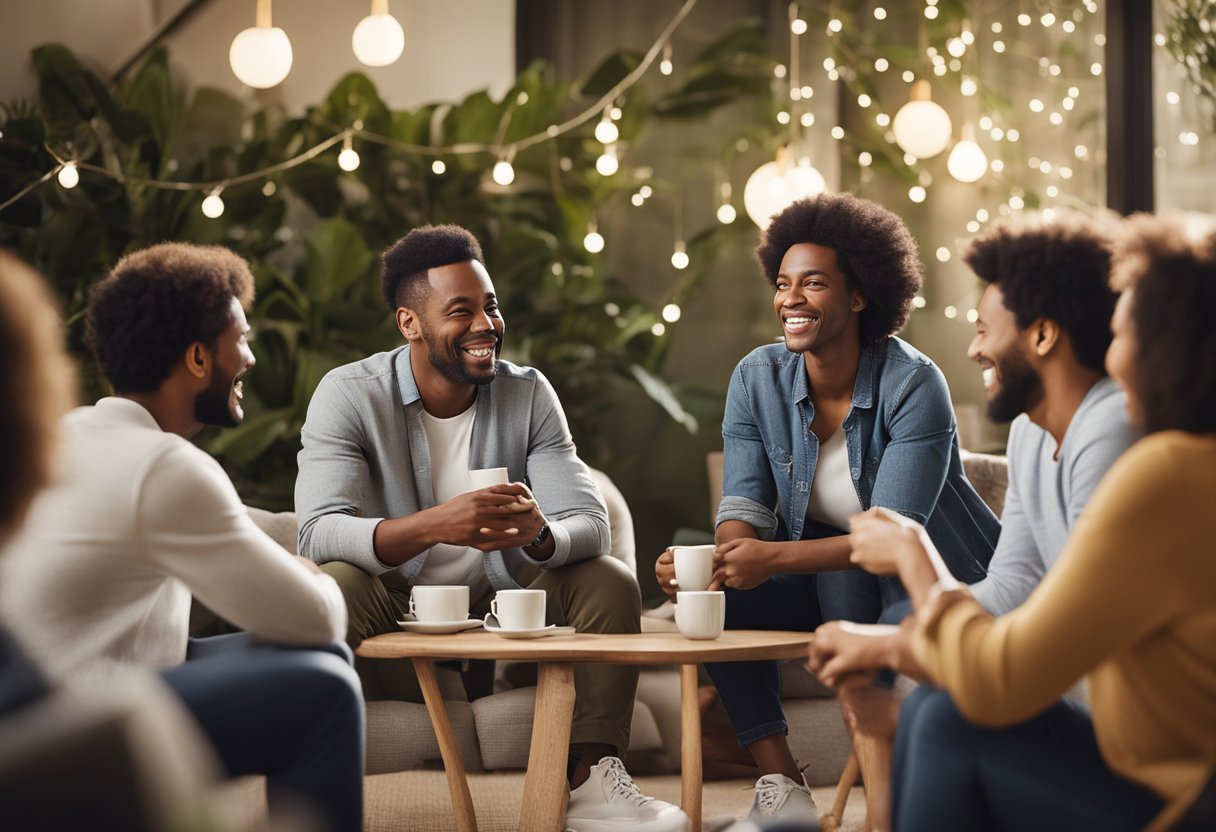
(1131, 605)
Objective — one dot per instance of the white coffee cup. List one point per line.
(701, 615)
(486, 477)
(519, 609)
(439, 604)
(694, 566)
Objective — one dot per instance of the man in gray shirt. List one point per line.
(1041, 340)
(385, 503)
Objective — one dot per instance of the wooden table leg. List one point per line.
(545, 787)
(690, 746)
(453, 766)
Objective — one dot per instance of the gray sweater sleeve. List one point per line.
(332, 482)
(1017, 566)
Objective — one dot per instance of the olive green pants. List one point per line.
(598, 595)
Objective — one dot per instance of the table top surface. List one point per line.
(643, 648)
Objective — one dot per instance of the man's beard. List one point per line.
(213, 406)
(451, 367)
(1020, 389)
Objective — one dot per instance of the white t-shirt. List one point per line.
(833, 499)
(135, 520)
(447, 565)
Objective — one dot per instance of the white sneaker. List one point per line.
(781, 801)
(609, 801)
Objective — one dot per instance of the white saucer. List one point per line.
(439, 627)
(538, 632)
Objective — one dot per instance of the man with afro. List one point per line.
(839, 417)
(386, 503)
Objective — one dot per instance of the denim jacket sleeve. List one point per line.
(920, 427)
(749, 493)
(562, 485)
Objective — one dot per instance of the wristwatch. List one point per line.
(541, 537)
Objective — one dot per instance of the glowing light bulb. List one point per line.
(69, 175)
(504, 172)
(348, 159)
(594, 241)
(865, 159)
(213, 205)
(679, 257)
(880, 13)
(918, 302)
(798, 26)
(606, 131)
(438, 167)
(261, 56)
(917, 194)
(378, 40)
(658, 329)
(834, 25)
(943, 254)
(607, 163)
(921, 126)
(671, 313)
(950, 312)
(727, 213)
(665, 66)
(967, 161)
(956, 47)
(774, 185)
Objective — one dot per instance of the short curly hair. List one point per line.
(873, 248)
(1171, 266)
(1055, 268)
(155, 303)
(405, 263)
(36, 387)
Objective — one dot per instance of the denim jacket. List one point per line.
(902, 444)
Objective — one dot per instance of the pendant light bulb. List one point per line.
(378, 40)
(922, 128)
(261, 56)
(213, 205)
(69, 175)
(348, 159)
(504, 173)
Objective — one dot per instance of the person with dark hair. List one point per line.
(1130, 605)
(840, 417)
(1041, 337)
(386, 503)
(138, 518)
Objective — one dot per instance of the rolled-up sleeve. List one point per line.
(562, 485)
(332, 481)
(749, 493)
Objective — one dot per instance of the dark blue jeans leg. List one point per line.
(751, 691)
(293, 715)
(856, 595)
(1045, 773)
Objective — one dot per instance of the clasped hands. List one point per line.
(498, 517)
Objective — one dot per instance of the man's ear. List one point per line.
(408, 324)
(860, 301)
(198, 360)
(1044, 334)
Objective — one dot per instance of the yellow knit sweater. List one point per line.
(1131, 603)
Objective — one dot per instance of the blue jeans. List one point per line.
(293, 715)
(1045, 773)
(751, 691)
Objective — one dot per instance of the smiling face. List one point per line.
(1120, 358)
(220, 403)
(999, 348)
(813, 299)
(460, 323)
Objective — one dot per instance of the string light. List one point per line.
(665, 65)
(593, 241)
(69, 175)
(348, 158)
(679, 257)
(607, 163)
(261, 56)
(213, 205)
(606, 131)
(726, 212)
(378, 40)
(658, 329)
(438, 167)
(798, 26)
(671, 313)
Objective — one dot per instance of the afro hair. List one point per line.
(1058, 269)
(157, 302)
(405, 263)
(1170, 263)
(873, 248)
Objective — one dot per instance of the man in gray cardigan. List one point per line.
(385, 502)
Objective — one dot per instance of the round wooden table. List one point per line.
(545, 787)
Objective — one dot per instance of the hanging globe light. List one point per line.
(776, 184)
(921, 126)
(967, 162)
(378, 39)
(260, 56)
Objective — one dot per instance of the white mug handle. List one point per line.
(494, 607)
